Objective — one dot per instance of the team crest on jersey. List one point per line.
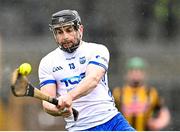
(82, 60)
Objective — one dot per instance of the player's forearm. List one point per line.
(84, 87)
(50, 109)
(161, 121)
(164, 116)
(51, 112)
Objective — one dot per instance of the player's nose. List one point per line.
(65, 35)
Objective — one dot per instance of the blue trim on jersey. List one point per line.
(47, 82)
(117, 123)
(99, 64)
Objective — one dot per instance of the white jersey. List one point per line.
(66, 70)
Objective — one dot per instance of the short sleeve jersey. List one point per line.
(66, 70)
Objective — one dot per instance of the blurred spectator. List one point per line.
(140, 103)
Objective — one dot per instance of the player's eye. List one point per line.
(59, 31)
(69, 29)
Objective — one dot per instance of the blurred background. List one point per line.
(144, 28)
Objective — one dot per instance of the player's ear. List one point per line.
(81, 29)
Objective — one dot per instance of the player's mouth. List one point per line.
(67, 44)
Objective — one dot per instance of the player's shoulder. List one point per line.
(151, 90)
(150, 87)
(94, 46)
(50, 55)
(90, 44)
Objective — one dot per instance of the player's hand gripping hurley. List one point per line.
(21, 87)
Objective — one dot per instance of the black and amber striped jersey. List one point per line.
(137, 104)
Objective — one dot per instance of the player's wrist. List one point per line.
(71, 96)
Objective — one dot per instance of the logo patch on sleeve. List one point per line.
(103, 58)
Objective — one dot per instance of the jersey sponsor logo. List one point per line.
(55, 69)
(82, 60)
(73, 80)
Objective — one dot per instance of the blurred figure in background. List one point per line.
(140, 103)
